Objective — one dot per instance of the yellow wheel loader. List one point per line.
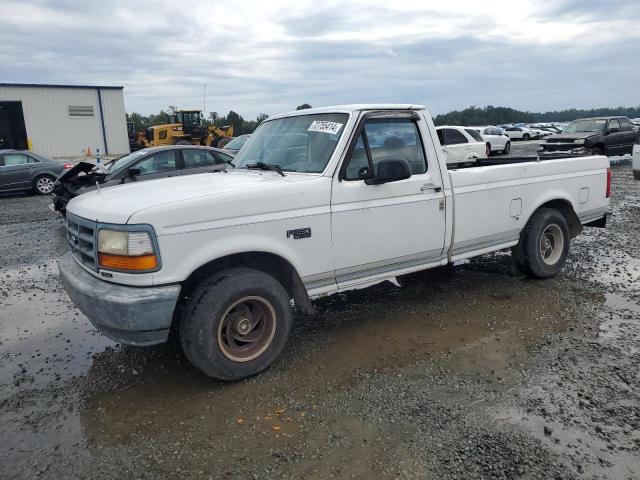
(186, 127)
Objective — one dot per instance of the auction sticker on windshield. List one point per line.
(325, 127)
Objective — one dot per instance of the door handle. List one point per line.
(430, 186)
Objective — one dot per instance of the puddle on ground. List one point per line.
(558, 437)
(43, 337)
(620, 320)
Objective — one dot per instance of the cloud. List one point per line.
(271, 56)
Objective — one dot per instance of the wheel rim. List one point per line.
(551, 244)
(44, 185)
(247, 329)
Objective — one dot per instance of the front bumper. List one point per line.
(551, 153)
(133, 315)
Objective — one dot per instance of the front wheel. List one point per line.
(507, 148)
(487, 150)
(236, 323)
(544, 244)
(43, 185)
(526, 137)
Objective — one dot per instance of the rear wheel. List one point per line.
(526, 137)
(544, 244)
(236, 323)
(507, 148)
(487, 150)
(43, 185)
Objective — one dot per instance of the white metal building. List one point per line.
(63, 120)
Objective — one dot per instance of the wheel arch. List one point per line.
(565, 207)
(275, 265)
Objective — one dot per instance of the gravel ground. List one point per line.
(465, 372)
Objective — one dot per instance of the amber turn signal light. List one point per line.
(124, 262)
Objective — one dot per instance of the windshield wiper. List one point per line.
(265, 166)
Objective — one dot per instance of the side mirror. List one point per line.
(132, 172)
(390, 170)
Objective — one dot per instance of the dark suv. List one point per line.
(591, 136)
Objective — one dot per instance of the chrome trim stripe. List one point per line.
(592, 214)
(387, 266)
(356, 272)
(484, 242)
(312, 282)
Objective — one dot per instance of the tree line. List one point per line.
(490, 115)
(240, 125)
(473, 115)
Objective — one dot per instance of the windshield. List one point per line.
(122, 161)
(237, 143)
(586, 126)
(302, 143)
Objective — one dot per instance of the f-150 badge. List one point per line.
(299, 233)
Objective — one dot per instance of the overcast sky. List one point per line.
(269, 56)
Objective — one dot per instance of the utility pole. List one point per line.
(204, 102)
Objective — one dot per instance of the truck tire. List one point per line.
(544, 244)
(43, 184)
(236, 323)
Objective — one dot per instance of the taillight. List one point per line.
(67, 165)
(609, 174)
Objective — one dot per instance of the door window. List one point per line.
(474, 134)
(614, 124)
(195, 158)
(625, 125)
(454, 137)
(162, 161)
(13, 159)
(384, 139)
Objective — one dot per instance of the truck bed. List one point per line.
(494, 200)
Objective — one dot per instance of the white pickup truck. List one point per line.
(321, 201)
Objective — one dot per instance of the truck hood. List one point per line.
(119, 203)
(565, 137)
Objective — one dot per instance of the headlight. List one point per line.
(126, 250)
(579, 141)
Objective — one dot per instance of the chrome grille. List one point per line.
(81, 236)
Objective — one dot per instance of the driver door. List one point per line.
(379, 230)
(160, 164)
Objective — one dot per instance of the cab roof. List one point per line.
(351, 108)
